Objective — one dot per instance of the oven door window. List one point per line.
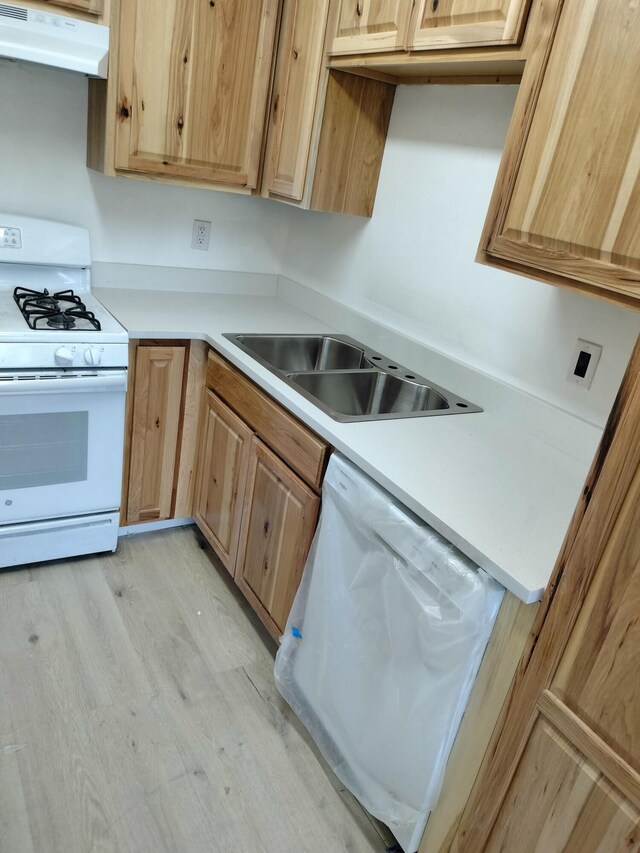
(61, 447)
(44, 449)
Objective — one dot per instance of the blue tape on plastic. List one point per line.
(296, 633)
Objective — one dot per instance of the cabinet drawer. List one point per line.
(300, 448)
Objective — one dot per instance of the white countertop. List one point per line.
(501, 484)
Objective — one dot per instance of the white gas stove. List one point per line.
(63, 375)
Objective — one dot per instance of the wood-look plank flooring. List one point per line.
(138, 713)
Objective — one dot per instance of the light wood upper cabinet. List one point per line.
(194, 79)
(365, 26)
(327, 129)
(295, 93)
(222, 477)
(279, 520)
(567, 203)
(93, 7)
(157, 400)
(466, 23)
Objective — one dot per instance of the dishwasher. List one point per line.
(382, 646)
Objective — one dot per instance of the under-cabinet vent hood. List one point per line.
(57, 40)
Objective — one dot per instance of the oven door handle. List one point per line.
(60, 384)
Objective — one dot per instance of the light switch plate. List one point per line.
(584, 363)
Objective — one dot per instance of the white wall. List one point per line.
(412, 265)
(42, 173)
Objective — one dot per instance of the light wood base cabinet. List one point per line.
(260, 471)
(566, 205)
(154, 439)
(222, 478)
(161, 429)
(279, 521)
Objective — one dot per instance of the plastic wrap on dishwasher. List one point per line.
(382, 646)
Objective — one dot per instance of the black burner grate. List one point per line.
(54, 311)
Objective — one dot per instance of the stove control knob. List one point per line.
(92, 355)
(63, 357)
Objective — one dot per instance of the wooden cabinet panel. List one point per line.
(371, 25)
(599, 675)
(567, 202)
(94, 7)
(279, 520)
(465, 23)
(563, 770)
(356, 119)
(559, 801)
(194, 80)
(327, 129)
(222, 477)
(301, 449)
(295, 94)
(155, 425)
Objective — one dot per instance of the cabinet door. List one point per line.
(567, 203)
(295, 93)
(562, 772)
(222, 477)
(278, 523)
(94, 7)
(559, 801)
(454, 23)
(154, 440)
(194, 78)
(366, 26)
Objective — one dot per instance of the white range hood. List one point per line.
(50, 39)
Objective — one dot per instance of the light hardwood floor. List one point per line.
(138, 713)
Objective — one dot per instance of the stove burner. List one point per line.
(45, 302)
(59, 310)
(61, 321)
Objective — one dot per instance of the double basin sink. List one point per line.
(349, 381)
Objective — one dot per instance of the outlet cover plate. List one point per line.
(584, 363)
(200, 235)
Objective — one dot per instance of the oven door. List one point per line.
(61, 444)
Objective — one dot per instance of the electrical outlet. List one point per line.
(200, 235)
(584, 363)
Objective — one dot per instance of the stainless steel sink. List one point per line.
(302, 352)
(369, 392)
(349, 381)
